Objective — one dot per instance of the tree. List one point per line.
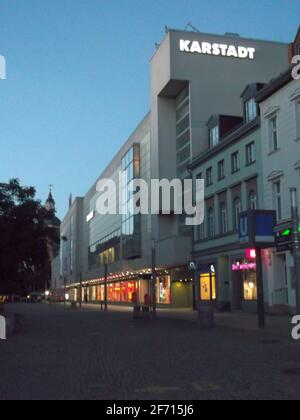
(24, 237)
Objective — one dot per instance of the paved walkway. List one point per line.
(278, 325)
(88, 354)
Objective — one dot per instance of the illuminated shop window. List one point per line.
(164, 290)
(250, 286)
(208, 286)
(122, 292)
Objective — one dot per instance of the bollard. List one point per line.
(2, 310)
(136, 312)
(2, 328)
(146, 313)
(73, 305)
(14, 325)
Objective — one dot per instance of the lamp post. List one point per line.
(105, 286)
(296, 245)
(80, 290)
(153, 279)
(65, 291)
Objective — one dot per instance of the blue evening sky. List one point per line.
(78, 77)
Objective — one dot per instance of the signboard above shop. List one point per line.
(256, 228)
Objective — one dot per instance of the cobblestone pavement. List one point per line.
(88, 354)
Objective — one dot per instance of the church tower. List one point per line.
(50, 203)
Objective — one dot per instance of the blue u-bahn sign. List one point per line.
(256, 228)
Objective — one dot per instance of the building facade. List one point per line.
(232, 170)
(194, 77)
(280, 112)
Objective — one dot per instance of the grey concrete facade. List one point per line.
(187, 88)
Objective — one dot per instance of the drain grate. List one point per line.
(293, 371)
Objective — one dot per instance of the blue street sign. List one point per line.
(256, 228)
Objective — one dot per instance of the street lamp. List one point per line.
(296, 245)
(154, 278)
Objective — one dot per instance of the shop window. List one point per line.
(208, 287)
(122, 292)
(164, 290)
(250, 286)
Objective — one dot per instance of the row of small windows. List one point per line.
(235, 165)
(223, 217)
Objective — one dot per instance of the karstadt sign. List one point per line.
(224, 50)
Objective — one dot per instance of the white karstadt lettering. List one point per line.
(223, 50)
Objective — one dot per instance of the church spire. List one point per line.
(50, 203)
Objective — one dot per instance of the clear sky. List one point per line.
(78, 77)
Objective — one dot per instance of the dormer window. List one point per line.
(250, 110)
(214, 136)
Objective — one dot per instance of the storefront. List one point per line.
(244, 284)
(208, 284)
(122, 292)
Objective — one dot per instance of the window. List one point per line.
(107, 257)
(250, 154)
(221, 170)
(183, 132)
(209, 177)
(250, 110)
(214, 136)
(131, 166)
(224, 221)
(235, 162)
(208, 289)
(277, 199)
(211, 223)
(250, 285)
(273, 130)
(253, 200)
(237, 210)
(201, 232)
(198, 177)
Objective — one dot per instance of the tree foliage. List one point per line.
(25, 236)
